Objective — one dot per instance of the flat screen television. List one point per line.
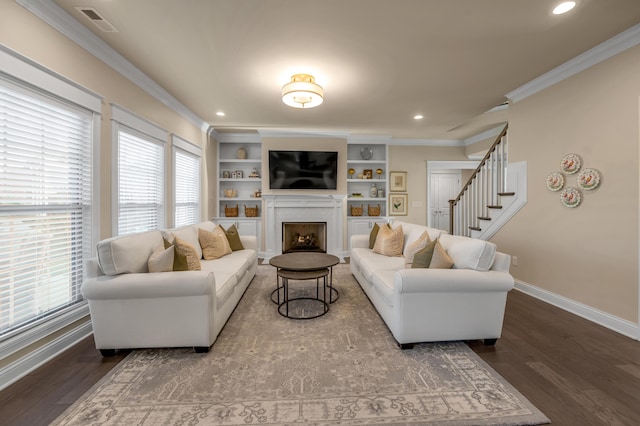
(303, 170)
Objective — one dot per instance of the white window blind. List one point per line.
(45, 205)
(186, 172)
(140, 183)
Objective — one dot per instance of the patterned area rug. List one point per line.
(342, 368)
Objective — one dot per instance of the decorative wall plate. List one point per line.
(570, 163)
(555, 181)
(570, 197)
(588, 179)
(366, 153)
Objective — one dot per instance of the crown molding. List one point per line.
(55, 16)
(617, 44)
(484, 135)
(427, 142)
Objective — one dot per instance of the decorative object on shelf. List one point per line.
(588, 179)
(251, 211)
(570, 163)
(238, 174)
(380, 192)
(351, 172)
(366, 153)
(241, 154)
(555, 181)
(360, 176)
(373, 211)
(258, 193)
(356, 194)
(254, 173)
(570, 197)
(398, 204)
(368, 173)
(230, 193)
(226, 174)
(231, 211)
(357, 211)
(398, 181)
(379, 173)
(373, 192)
(302, 92)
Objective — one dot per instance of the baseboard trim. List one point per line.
(619, 325)
(25, 365)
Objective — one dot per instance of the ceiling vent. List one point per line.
(98, 20)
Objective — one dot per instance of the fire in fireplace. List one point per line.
(304, 236)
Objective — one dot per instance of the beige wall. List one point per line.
(589, 253)
(413, 160)
(28, 35)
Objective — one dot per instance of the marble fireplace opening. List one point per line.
(304, 236)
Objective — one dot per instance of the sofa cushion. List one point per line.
(214, 244)
(234, 238)
(382, 282)
(389, 242)
(188, 234)
(469, 253)
(422, 258)
(128, 253)
(161, 260)
(373, 234)
(413, 231)
(414, 247)
(440, 259)
(179, 258)
(193, 260)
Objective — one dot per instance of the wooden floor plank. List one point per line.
(576, 372)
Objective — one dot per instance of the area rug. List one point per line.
(343, 368)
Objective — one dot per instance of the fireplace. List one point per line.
(304, 236)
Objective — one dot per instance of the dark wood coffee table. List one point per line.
(304, 266)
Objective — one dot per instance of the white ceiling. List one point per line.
(380, 61)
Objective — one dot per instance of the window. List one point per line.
(186, 184)
(140, 177)
(46, 224)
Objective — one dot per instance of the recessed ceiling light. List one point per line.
(220, 114)
(418, 117)
(563, 7)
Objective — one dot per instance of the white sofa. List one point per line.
(466, 302)
(133, 308)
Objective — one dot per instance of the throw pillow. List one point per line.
(422, 258)
(179, 259)
(373, 235)
(214, 244)
(234, 238)
(193, 260)
(389, 242)
(161, 260)
(440, 258)
(415, 246)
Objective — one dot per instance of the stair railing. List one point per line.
(482, 191)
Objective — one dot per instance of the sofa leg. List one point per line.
(490, 342)
(201, 349)
(107, 352)
(404, 346)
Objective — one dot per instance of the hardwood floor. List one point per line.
(575, 372)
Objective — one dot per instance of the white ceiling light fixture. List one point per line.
(220, 114)
(302, 92)
(563, 7)
(418, 117)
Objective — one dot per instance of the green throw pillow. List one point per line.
(422, 258)
(234, 238)
(179, 259)
(373, 235)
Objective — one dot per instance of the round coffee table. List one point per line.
(303, 266)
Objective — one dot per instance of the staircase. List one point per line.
(493, 194)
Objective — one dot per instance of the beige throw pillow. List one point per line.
(414, 247)
(161, 260)
(193, 260)
(440, 258)
(389, 242)
(214, 244)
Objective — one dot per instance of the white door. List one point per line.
(445, 186)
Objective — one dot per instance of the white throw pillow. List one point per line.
(414, 247)
(162, 260)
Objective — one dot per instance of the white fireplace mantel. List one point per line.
(303, 208)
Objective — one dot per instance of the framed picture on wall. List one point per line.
(397, 181)
(398, 204)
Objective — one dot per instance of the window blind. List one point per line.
(186, 187)
(45, 205)
(140, 183)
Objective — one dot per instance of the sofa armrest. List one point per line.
(152, 285)
(92, 268)
(249, 241)
(426, 280)
(360, 241)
